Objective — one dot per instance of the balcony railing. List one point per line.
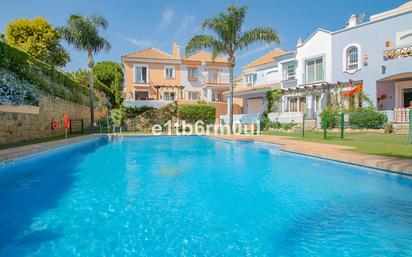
(250, 118)
(401, 115)
(150, 103)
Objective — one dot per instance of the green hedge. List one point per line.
(49, 79)
(195, 112)
(366, 118)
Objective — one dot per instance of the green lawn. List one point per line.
(365, 142)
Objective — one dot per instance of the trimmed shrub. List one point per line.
(332, 117)
(366, 118)
(195, 112)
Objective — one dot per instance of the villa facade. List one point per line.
(156, 78)
(333, 68)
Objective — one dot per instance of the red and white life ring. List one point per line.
(66, 121)
(54, 124)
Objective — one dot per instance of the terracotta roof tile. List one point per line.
(151, 53)
(253, 88)
(204, 56)
(265, 59)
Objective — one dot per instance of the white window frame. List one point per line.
(345, 58)
(288, 76)
(190, 95)
(250, 79)
(173, 72)
(195, 72)
(307, 73)
(217, 76)
(147, 73)
(216, 97)
(169, 92)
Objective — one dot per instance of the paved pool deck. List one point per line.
(14, 153)
(331, 152)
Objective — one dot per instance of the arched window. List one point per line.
(352, 58)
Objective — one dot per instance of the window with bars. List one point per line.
(352, 58)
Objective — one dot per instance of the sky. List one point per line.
(135, 25)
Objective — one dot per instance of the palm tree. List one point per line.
(228, 38)
(83, 34)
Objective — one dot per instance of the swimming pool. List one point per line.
(158, 196)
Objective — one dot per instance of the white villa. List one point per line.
(373, 57)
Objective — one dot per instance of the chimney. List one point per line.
(352, 21)
(176, 50)
(299, 42)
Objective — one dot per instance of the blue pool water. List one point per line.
(157, 196)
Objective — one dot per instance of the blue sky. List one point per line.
(136, 24)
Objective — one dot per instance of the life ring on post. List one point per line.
(66, 121)
(54, 124)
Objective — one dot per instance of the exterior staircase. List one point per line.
(400, 128)
(309, 126)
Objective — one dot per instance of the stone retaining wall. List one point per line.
(18, 125)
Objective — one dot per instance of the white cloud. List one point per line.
(187, 22)
(140, 42)
(167, 17)
(254, 51)
(144, 42)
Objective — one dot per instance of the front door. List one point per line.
(407, 97)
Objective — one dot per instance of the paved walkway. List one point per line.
(11, 154)
(333, 152)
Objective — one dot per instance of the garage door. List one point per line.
(255, 105)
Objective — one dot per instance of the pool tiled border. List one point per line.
(10, 155)
(331, 152)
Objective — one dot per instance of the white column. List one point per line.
(298, 103)
(229, 105)
(309, 105)
(209, 94)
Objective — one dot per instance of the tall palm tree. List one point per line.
(228, 37)
(83, 34)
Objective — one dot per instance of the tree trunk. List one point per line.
(91, 86)
(231, 67)
(231, 99)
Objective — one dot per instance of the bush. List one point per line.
(195, 112)
(366, 118)
(332, 117)
(15, 91)
(45, 77)
(287, 126)
(268, 124)
(133, 112)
